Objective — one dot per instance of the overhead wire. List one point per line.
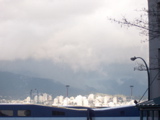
(150, 85)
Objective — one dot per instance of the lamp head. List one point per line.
(133, 58)
(131, 86)
(67, 85)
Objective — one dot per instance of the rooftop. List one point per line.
(151, 104)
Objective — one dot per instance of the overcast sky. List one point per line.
(73, 42)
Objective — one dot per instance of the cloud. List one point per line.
(112, 79)
(72, 32)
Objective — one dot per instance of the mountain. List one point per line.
(18, 86)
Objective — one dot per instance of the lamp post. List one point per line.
(67, 86)
(133, 59)
(30, 96)
(37, 95)
(131, 86)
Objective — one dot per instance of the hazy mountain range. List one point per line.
(18, 86)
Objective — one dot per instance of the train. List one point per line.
(43, 112)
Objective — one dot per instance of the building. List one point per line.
(150, 110)
(154, 47)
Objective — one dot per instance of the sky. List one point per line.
(73, 42)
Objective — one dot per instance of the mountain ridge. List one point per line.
(18, 86)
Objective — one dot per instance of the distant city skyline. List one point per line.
(91, 100)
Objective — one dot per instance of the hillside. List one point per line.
(17, 86)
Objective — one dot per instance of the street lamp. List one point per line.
(133, 59)
(30, 96)
(131, 86)
(67, 86)
(37, 95)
